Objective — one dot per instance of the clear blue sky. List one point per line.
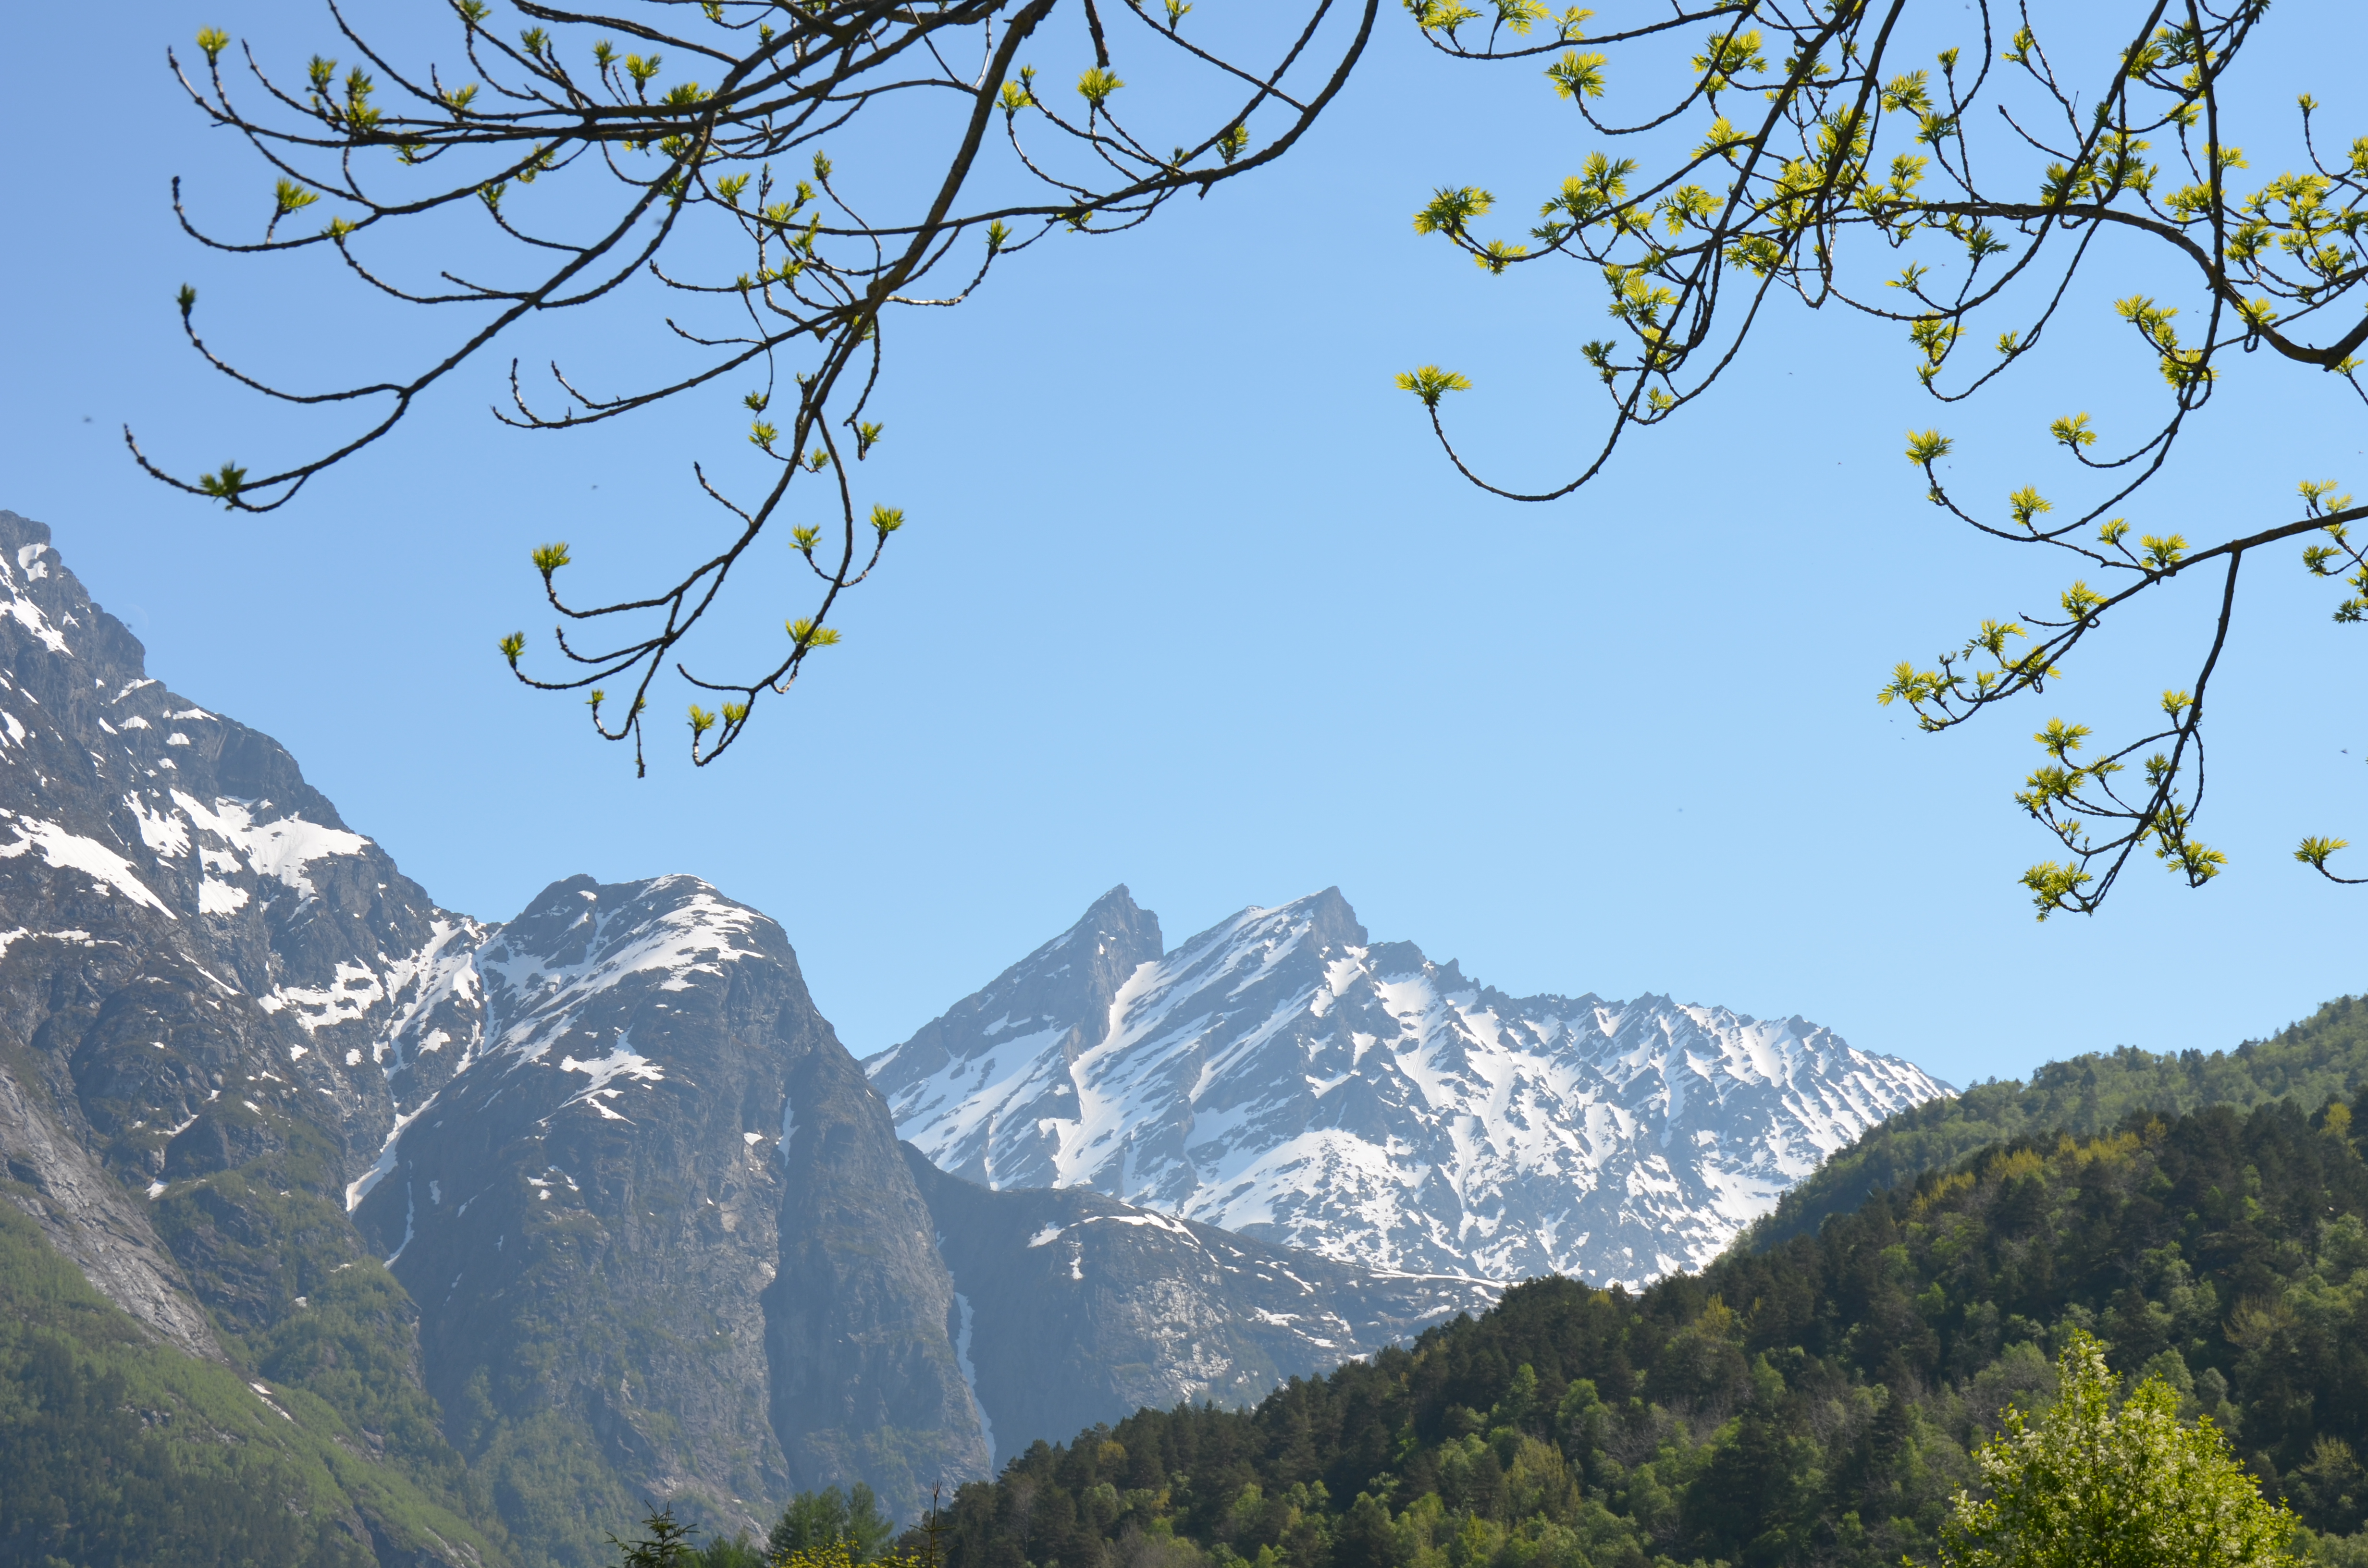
(1189, 601)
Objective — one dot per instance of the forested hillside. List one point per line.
(1812, 1402)
(118, 1449)
(2325, 1056)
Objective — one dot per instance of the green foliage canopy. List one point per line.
(117, 1449)
(832, 1518)
(829, 1528)
(2325, 1056)
(2086, 1484)
(1818, 1402)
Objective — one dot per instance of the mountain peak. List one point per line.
(582, 939)
(1282, 1075)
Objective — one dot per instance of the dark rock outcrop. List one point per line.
(659, 1181)
(1072, 1307)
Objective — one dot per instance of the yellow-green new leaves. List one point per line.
(1430, 383)
(2318, 497)
(1021, 94)
(2052, 884)
(1926, 446)
(1451, 209)
(2057, 783)
(1849, 148)
(1601, 183)
(1915, 688)
(1938, 696)
(515, 645)
(2182, 368)
(811, 309)
(1725, 56)
(808, 635)
(2319, 500)
(1578, 75)
(1909, 93)
(2073, 432)
(1519, 16)
(1637, 300)
(1686, 205)
(2062, 739)
(2197, 862)
(1441, 16)
(2313, 852)
(1935, 336)
(225, 484)
(1723, 135)
(1498, 254)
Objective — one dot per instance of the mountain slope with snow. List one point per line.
(544, 1220)
(1284, 1077)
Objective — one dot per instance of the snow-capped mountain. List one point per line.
(1284, 1077)
(656, 1175)
(599, 1185)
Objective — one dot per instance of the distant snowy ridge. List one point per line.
(1284, 1077)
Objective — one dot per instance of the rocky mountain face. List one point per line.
(658, 1220)
(1285, 1077)
(1069, 1304)
(531, 1222)
(215, 998)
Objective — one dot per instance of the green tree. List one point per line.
(2088, 1484)
(1959, 197)
(732, 1551)
(694, 157)
(664, 1542)
(831, 1517)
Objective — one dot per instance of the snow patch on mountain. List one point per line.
(543, 967)
(621, 1061)
(28, 614)
(1282, 1075)
(280, 848)
(73, 851)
